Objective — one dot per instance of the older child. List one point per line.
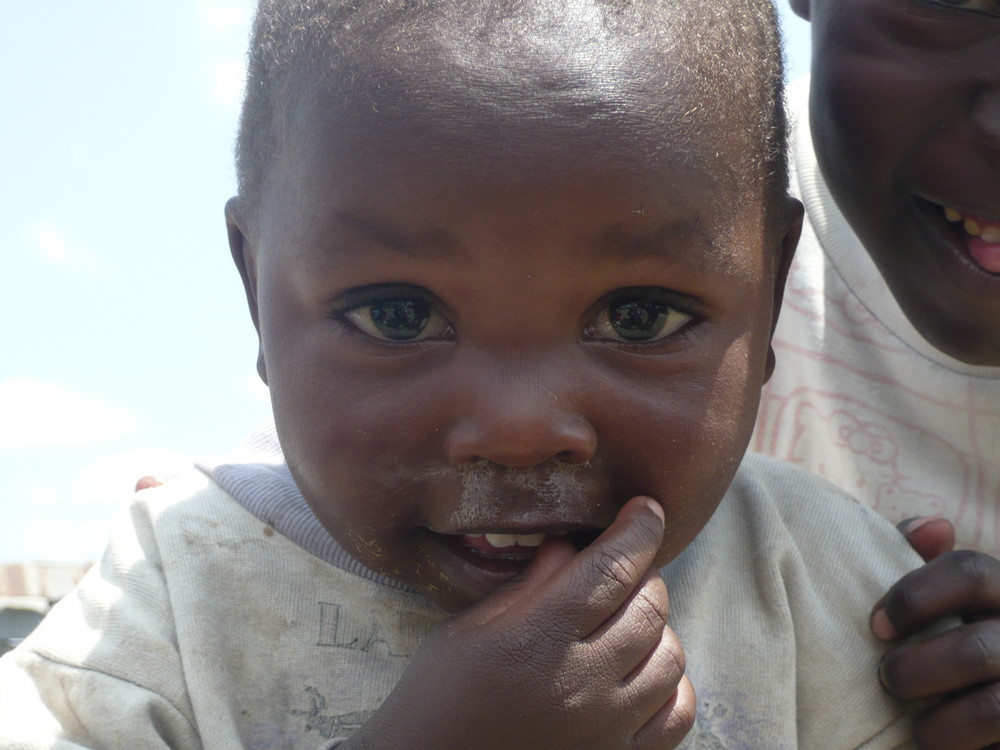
(888, 376)
(514, 266)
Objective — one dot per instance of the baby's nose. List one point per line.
(521, 421)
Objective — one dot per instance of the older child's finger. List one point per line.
(968, 722)
(961, 583)
(955, 660)
(930, 536)
(603, 576)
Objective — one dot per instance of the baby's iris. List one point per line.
(640, 317)
(397, 319)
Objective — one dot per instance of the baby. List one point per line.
(515, 267)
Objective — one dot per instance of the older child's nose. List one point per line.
(986, 114)
(518, 425)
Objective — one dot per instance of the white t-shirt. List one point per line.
(205, 625)
(859, 397)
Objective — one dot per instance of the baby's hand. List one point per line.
(961, 666)
(574, 655)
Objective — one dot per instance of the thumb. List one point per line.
(930, 536)
(553, 554)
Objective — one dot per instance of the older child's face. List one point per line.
(470, 347)
(906, 121)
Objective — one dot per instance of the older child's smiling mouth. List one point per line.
(982, 238)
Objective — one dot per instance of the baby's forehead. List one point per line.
(461, 106)
(440, 127)
(610, 187)
(640, 77)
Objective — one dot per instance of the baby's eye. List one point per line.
(398, 318)
(640, 317)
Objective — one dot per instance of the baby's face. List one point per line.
(906, 122)
(473, 343)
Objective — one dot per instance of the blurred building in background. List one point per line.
(28, 591)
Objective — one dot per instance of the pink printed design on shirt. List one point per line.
(857, 446)
(840, 311)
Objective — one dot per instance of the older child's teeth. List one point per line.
(989, 231)
(509, 540)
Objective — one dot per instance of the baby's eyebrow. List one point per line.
(669, 240)
(684, 239)
(431, 242)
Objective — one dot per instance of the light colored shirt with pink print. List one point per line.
(859, 397)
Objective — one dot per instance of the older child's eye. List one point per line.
(991, 7)
(398, 318)
(639, 317)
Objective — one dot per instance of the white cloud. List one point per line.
(113, 477)
(47, 538)
(52, 245)
(225, 26)
(225, 81)
(222, 16)
(38, 413)
(67, 516)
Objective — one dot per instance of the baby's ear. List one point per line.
(786, 242)
(245, 258)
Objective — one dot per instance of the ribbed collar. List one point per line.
(257, 477)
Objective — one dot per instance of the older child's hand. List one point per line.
(961, 666)
(576, 654)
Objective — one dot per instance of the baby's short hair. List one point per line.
(628, 54)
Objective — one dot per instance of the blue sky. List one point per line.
(125, 346)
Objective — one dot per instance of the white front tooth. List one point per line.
(502, 540)
(972, 227)
(951, 214)
(530, 540)
(991, 234)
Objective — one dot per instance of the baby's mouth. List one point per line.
(504, 546)
(520, 547)
(982, 238)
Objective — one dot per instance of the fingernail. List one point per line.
(912, 524)
(655, 507)
(880, 625)
(881, 675)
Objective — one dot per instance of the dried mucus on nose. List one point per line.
(554, 487)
